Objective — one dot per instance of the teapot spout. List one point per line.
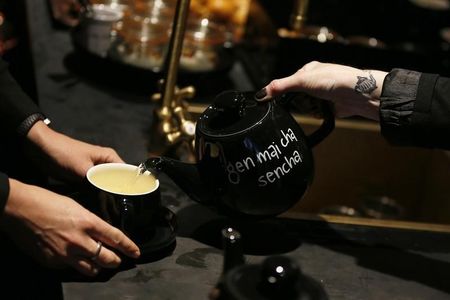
(185, 175)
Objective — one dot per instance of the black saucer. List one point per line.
(163, 235)
(159, 242)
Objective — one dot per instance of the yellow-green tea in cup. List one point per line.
(123, 179)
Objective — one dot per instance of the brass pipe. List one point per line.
(173, 129)
(174, 52)
(298, 16)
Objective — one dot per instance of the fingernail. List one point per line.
(261, 94)
(136, 254)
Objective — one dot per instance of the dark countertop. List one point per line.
(351, 261)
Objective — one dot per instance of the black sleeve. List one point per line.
(415, 109)
(4, 191)
(15, 108)
(15, 105)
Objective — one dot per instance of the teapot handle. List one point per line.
(327, 125)
(327, 112)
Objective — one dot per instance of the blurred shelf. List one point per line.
(360, 221)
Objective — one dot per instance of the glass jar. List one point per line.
(202, 45)
(230, 13)
(141, 42)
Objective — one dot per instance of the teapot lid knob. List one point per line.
(232, 247)
(232, 112)
(279, 275)
(231, 100)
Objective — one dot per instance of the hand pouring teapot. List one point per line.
(253, 159)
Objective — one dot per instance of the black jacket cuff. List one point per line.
(398, 99)
(4, 191)
(14, 102)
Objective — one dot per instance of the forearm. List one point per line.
(63, 156)
(49, 150)
(15, 197)
(19, 197)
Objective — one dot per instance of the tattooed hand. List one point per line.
(353, 91)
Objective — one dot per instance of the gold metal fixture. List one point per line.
(173, 128)
(298, 16)
(297, 21)
(300, 30)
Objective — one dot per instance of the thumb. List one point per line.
(277, 87)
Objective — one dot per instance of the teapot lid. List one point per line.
(278, 277)
(231, 113)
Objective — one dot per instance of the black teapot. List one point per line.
(253, 158)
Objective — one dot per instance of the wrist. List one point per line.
(379, 78)
(369, 85)
(40, 134)
(13, 205)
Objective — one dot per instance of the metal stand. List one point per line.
(173, 128)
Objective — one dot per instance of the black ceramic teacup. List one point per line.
(126, 199)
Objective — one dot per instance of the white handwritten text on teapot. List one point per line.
(277, 173)
(273, 152)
